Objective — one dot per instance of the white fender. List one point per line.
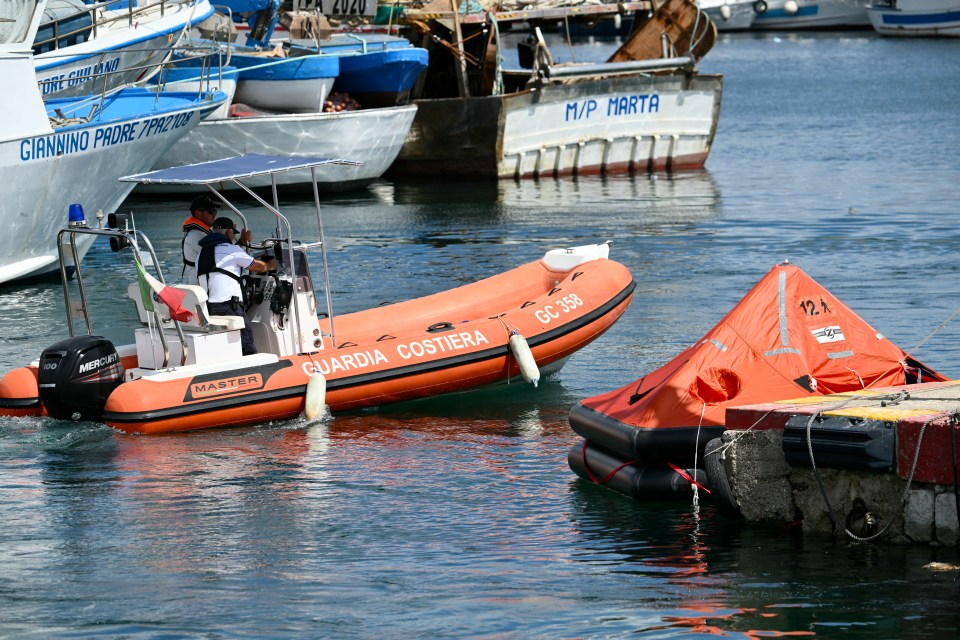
(521, 351)
(316, 396)
(791, 7)
(725, 12)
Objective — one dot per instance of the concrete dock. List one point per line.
(884, 463)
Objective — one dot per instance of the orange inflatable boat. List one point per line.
(188, 373)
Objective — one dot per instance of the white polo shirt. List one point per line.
(221, 287)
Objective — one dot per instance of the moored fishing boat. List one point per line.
(371, 137)
(646, 108)
(71, 151)
(525, 322)
(915, 18)
(788, 338)
(84, 48)
(270, 80)
(809, 14)
(375, 69)
(732, 15)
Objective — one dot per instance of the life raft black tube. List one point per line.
(646, 445)
(637, 480)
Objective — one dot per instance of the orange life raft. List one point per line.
(787, 338)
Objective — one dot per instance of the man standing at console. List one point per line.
(219, 265)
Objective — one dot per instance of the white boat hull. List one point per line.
(122, 51)
(370, 136)
(288, 96)
(916, 18)
(811, 14)
(735, 15)
(44, 174)
(593, 125)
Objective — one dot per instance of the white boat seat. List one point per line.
(195, 299)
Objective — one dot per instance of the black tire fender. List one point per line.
(719, 484)
(760, 6)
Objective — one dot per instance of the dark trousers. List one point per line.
(233, 307)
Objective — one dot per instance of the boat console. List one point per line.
(216, 339)
(275, 306)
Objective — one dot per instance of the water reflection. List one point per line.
(760, 581)
(686, 196)
(27, 312)
(669, 197)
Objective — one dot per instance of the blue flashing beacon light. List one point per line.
(75, 216)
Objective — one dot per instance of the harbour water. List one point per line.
(458, 517)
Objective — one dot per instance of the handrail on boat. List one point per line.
(613, 68)
(531, 13)
(362, 41)
(83, 103)
(104, 20)
(124, 238)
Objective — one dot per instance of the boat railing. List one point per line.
(86, 108)
(102, 15)
(223, 28)
(207, 55)
(223, 57)
(554, 72)
(528, 12)
(362, 41)
(121, 235)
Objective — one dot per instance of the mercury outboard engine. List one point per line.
(77, 375)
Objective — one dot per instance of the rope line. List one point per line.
(593, 478)
(903, 497)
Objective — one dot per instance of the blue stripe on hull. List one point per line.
(303, 68)
(802, 12)
(381, 71)
(945, 19)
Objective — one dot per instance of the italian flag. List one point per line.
(151, 288)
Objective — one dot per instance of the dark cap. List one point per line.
(203, 202)
(223, 223)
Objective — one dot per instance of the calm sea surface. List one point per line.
(459, 517)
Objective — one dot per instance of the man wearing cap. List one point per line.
(219, 265)
(203, 211)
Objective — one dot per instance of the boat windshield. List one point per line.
(16, 17)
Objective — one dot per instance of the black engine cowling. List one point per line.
(77, 375)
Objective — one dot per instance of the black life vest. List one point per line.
(207, 261)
